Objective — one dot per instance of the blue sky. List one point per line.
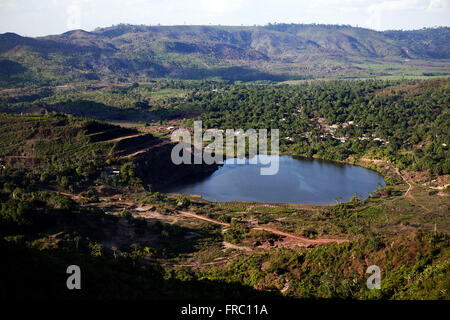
(43, 17)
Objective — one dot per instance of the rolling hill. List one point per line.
(271, 52)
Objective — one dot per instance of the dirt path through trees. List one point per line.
(302, 240)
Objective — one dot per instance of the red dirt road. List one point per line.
(302, 240)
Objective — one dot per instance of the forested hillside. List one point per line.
(402, 121)
(80, 191)
(271, 52)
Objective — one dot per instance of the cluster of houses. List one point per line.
(330, 130)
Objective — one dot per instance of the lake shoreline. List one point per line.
(299, 181)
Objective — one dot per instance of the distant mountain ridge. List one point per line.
(273, 52)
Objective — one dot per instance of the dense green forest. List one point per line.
(44, 232)
(406, 123)
(403, 121)
(81, 168)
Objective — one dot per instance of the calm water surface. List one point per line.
(298, 180)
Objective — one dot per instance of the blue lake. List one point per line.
(298, 180)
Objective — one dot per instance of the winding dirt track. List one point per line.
(302, 240)
(299, 238)
(407, 182)
(125, 137)
(134, 154)
(408, 193)
(193, 215)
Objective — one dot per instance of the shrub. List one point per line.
(310, 233)
(126, 215)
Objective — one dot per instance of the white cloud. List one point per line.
(8, 4)
(379, 12)
(221, 6)
(396, 5)
(56, 16)
(438, 4)
(74, 15)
